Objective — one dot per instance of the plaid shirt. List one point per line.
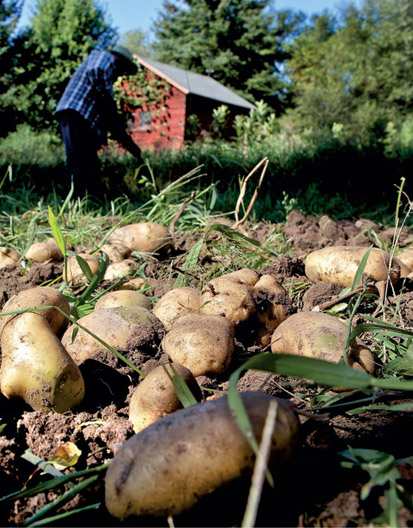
(91, 83)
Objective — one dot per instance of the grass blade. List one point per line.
(55, 518)
(57, 232)
(360, 269)
(181, 388)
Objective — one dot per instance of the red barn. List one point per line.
(187, 95)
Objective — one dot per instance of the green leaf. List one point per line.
(84, 266)
(360, 269)
(57, 232)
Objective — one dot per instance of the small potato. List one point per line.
(75, 274)
(44, 251)
(273, 307)
(230, 298)
(245, 275)
(143, 237)
(155, 396)
(8, 257)
(116, 252)
(112, 325)
(340, 263)
(406, 260)
(200, 342)
(118, 270)
(365, 224)
(36, 367)
(321, 336)
(167, 467)
(39, 296)
(133, 284)
(175, 303)
(123, 298)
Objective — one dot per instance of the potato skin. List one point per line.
(321, 336)
(123, 298)
(118, 270)
(74, 272)
(200, 342)
(155, 396)
(175, 303)
(112, 325)
(36, 367)
(340, 263)
(43, 251)
(143, 237)
(8, 257)
(168, 466)
(40, 296)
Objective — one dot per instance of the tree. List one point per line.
(237, 42)
(137, 41)
(356, 73)
(62, 34)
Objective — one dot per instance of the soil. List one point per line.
(313, 489)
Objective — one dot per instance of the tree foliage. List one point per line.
(237, 42)
(61, 35)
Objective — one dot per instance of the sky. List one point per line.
(126, 15)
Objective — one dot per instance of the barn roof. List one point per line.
(195, 83)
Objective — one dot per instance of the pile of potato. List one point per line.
(177, 455)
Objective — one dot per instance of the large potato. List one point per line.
(44, 251)
(155, 396)
(246, 275)
(36, 367)
(322, 336)
(228, 297)
(340, 263)
(112, 325)
(143, 237)
(175, 303)
(39, 296)
(8, 257)
(167, 467)
(123, 298)
(200, 342)
(116, 252)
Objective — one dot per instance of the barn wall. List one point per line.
(167, 126)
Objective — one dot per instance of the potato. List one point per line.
(200, 342)
(133, 284)
(365, 224)
(36, 367)
(8, 257)
(37, 297)
(245, 275)
(75, 274)
(116, 252)
(228, 297)
(44, 251)
(118, 270)
(143, 237)
(322, 336)
(167, 467)
(112, 325)
(155, 396)
(406, 257)
(123, 298)
(340, 263)
(273, 307)
(175, 303)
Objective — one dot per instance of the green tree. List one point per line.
(137, 41)
(237, 42)
(356, 73)
(61, 35)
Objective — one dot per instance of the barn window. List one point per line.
(144, 120)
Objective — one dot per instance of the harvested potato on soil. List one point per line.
(112, 325)
(228, 297)
(246, 275)
(143, 237)
(340, 263)
(322, 336)
(8, 257)
(273, 307)
(175, 303)
(116, 252)
(75, 274)
(167, 467)
(133, 284)
(202, 343)
(43, 251)
(406, 262)
(118, 270)
(38, 297)
(155, 396)
(36, 367)
(123, 298)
